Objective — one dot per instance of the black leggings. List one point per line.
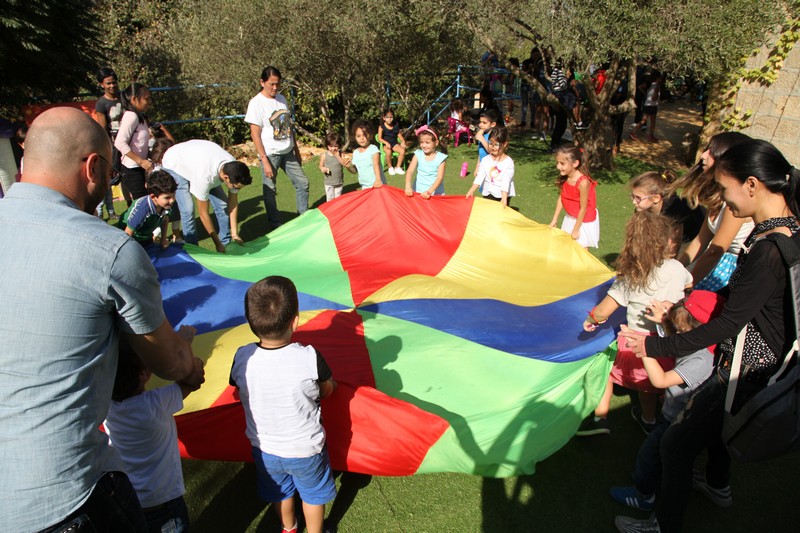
(133, 183)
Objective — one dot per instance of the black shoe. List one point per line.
(636, 413)
(590, 427)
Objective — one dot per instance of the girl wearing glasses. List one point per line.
(654, 192)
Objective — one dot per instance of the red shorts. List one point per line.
(629, 371)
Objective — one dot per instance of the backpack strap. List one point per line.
(790, 253)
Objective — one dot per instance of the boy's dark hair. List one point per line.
(159, 148)
(105, 72)
(366, 125)
(129, 366)
(679, 320)
(270, 71)
(270, 306)
(332, 139)
(161, 182)
(237, 172)
(492, 115)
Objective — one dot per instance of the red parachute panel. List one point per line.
(401, 236)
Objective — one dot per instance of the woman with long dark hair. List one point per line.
(756, 181)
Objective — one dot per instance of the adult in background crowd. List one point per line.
(271, 128)
(77, 283)
(201, 168)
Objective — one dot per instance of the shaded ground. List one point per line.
(674, 120)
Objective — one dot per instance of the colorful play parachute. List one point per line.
(452, 325)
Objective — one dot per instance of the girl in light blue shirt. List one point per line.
(429, 164)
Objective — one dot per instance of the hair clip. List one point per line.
(664, 176)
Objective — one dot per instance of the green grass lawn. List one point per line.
(568, 492)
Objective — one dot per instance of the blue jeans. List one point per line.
(291, 166)
(112, 506)
(647, 474)
(170, 517)
(185, 202)
(109, 202)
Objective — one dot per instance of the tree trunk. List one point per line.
(598, 139)
(594, 141)
(346, 108)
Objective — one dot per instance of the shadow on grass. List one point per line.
(237, 501)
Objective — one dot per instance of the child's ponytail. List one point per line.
(655, 182)
(575, 154)
(134, 90)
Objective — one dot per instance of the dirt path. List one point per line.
(674, 120)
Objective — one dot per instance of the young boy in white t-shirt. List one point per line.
(141, 426)
(280, 385)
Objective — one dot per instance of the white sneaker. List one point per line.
(391, 171)
(399, 171)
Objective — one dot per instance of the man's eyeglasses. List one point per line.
(639, 199)
(114, 175)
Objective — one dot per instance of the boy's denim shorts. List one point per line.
(280, 477)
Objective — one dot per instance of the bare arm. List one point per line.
(101, 119)
(169, 355)
(658, 377)
(727, 231)
(187, 333)
(326, 388)
(694, 248)
(412, 169)
(583, 189)
(558, 212)
(297, 153)
(255, 133)
(233, 215)
(205, 219)
(439, 177)
(380, 137)
(479, 176)
(376, 167)
(322, 167)
(167, 133)
(480, 137)
(164, 225)
(600, 313)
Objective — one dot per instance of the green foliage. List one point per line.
(336, 56)
(46, 48)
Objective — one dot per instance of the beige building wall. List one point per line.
(775, 109)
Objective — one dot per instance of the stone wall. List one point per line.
(776, 109)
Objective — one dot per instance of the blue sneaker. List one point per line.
(633, 498)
